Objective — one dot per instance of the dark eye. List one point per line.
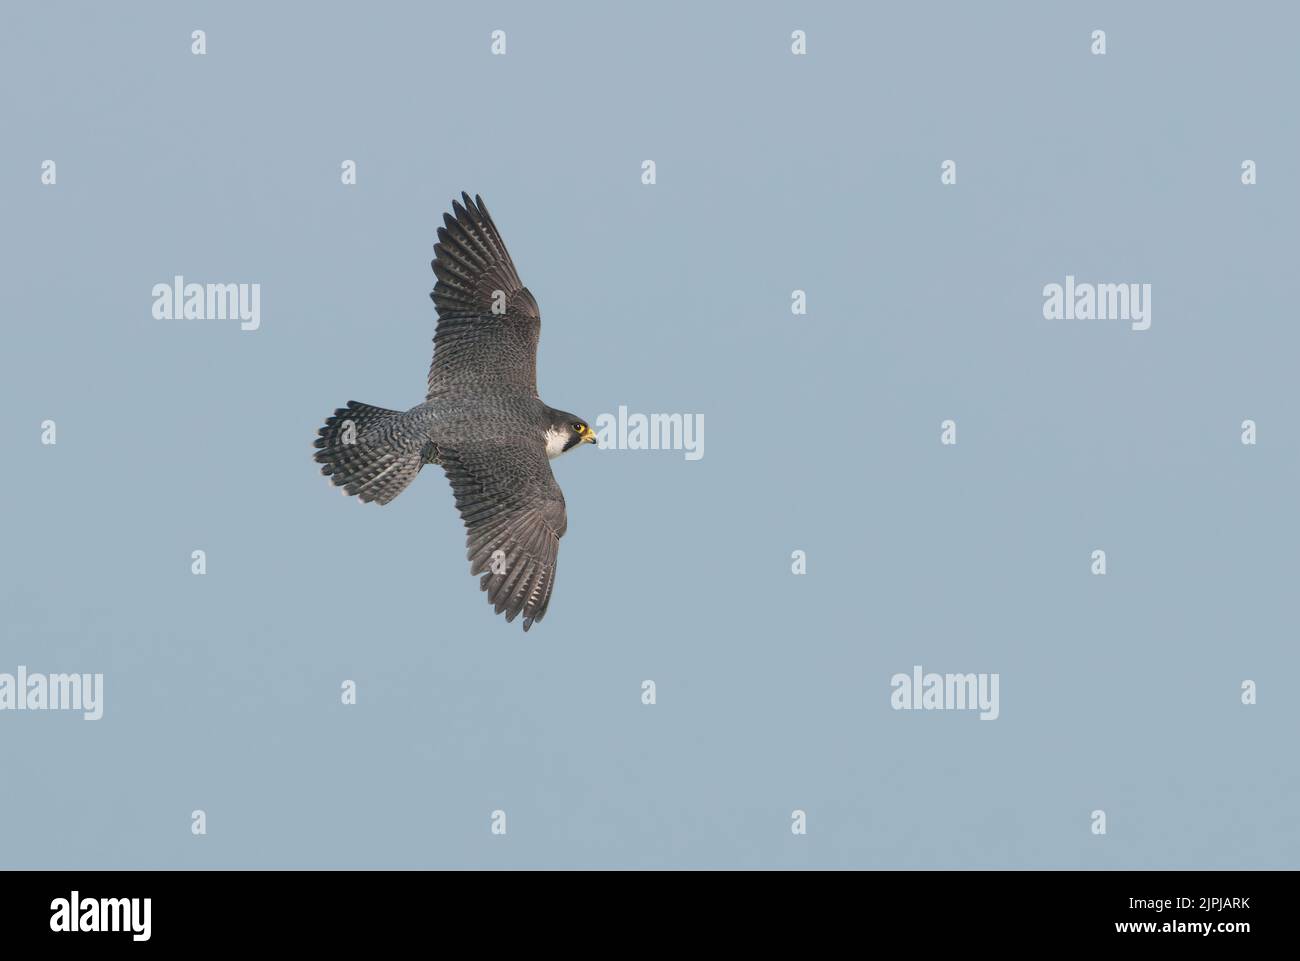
(578, 428)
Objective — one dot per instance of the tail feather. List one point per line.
(357, 454)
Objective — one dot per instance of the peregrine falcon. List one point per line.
(481, 420)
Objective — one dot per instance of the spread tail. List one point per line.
(358, 451)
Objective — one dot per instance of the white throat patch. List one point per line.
(555, 441)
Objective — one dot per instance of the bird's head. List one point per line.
(565, 432)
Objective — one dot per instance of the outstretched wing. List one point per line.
(488, 322)
(514, 515)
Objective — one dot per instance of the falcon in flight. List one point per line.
(481, 420)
